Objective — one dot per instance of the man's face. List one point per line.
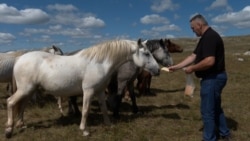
(196, 27)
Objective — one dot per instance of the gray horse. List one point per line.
(124, 78)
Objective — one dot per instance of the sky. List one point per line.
(78, 24)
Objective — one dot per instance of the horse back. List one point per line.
(59, 75)
(44, 70)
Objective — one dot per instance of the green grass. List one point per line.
(168, 115)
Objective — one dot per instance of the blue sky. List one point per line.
(76, 24)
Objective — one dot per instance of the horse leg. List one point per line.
(117, 104)
(126, 95)
(143, 90)
(104, 109)
(12, 101)
(59, 103)
(20, 111)
(114, 98)
(139, 83)
(148, 83)
(73, 107)
(118, 98)
(133, 98)
(87, 97)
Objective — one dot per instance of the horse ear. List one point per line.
(54, 47)
(162, 42)
(57, 49)
(167, 42)
(141, 43)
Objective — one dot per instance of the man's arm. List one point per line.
(189, 60)
(202, 65)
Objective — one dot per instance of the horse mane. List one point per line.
(155, 44)
(113, 50)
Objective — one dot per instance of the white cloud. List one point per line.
(163, 28)
(150, 33)
(44, 38)
(158, 30)
(71, 16)
(97, 36)
(71, 32)
(6, 38)
(220, 4)
(162, 5)
(11, 15)
(62, 7)
(59, 18)
(67, 20)
(154, 19)
(55, 27)
(170, 36)
(240, 19)
(92, 22)
(176, 16)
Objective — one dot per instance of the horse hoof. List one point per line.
(85, 133)
(8, 132)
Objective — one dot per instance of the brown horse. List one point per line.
(144, 78)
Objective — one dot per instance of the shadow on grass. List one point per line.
(155, 90)
(143, 110)
(95, 117)
(232, 124)
(152, 107)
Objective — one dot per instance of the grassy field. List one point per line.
(168, 115)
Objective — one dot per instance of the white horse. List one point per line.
(7, 61)
(87, 72)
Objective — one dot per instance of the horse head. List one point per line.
(159, 51)
(172, 47)
(143, 58)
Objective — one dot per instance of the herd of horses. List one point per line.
(110, 67)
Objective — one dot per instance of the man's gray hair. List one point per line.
(199, 17)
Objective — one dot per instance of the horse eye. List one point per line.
(147, 53)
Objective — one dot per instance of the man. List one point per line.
(208, 63)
